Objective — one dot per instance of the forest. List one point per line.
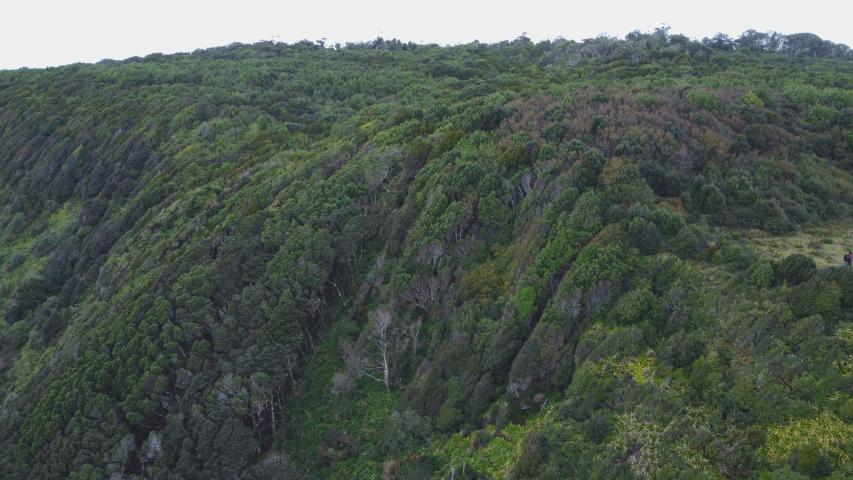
(603, 259)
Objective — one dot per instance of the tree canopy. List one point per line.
(386, 259)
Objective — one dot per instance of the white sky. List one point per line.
(38, 33)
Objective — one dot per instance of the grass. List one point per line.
(826, 244)
(495, 459)
(315, 411)
(58, 224)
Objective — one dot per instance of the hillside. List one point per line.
(598, 259)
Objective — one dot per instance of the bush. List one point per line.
(30, 293)
(843, 278)
(811, 461)
(751, 99)
(821, 117)
(588, 213)
(586, 169)
(637, 306)
(448, 416)
(667, 221)
(15, 260)
(687, 244)
(816, 296)
(682, 349)
(404, 431)
(623, 183)
(796, 268)
(645, 236)
(761, 273)
(712, 200)
(525, 303)
(771, 216)
(703, 100)
(492, 212)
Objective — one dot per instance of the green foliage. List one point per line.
(796, 268)
(761, 273)
(212, 261)
(623, 183)
(751, 99)
(645, 235)
(525, 302)
(667, 221)
(636, 306)
(712, 200)
(704, 100)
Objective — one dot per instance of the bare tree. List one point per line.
(431, 254)
(290, 364)
(261, 399)
(515, 388)
(459, 228)
(597, 295)
(423, 292)
(463, 247)
(522, 188)
(343, 382)
(381, 337)
(573, 304)
(414, 330)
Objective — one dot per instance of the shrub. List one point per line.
(811, 461)
(711, 199)
(843, 278)
(15, 260)
(704, 100)
(828, 300)
(586, 169)
(623, 183)
(525, 302)
(645, 236)
(667, 221)
(687, 244)
(448, 416)
(588, 213)
(771, 216)
(682, 349)
(514, 153)
(751, 99)
(30, 293)
(404, 431)
(821, 117)
(796, 268)
(492, 212)
(761, 273)
(636, 306)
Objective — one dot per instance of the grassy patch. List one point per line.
(826, 244)
(495, 459)
(315, 411)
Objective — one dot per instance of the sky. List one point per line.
(40, 33)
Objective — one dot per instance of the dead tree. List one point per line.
(290, 364)
(381, 338)
(414, 331)
(423, 292)
(431, 254)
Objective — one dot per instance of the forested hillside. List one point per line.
(520, 260)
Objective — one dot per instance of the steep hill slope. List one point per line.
(391, 260)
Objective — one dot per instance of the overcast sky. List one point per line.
(38, 33)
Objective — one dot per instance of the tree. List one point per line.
(382, 338)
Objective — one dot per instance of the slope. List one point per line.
(513, 260)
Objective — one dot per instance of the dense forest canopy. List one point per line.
(388, 260)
